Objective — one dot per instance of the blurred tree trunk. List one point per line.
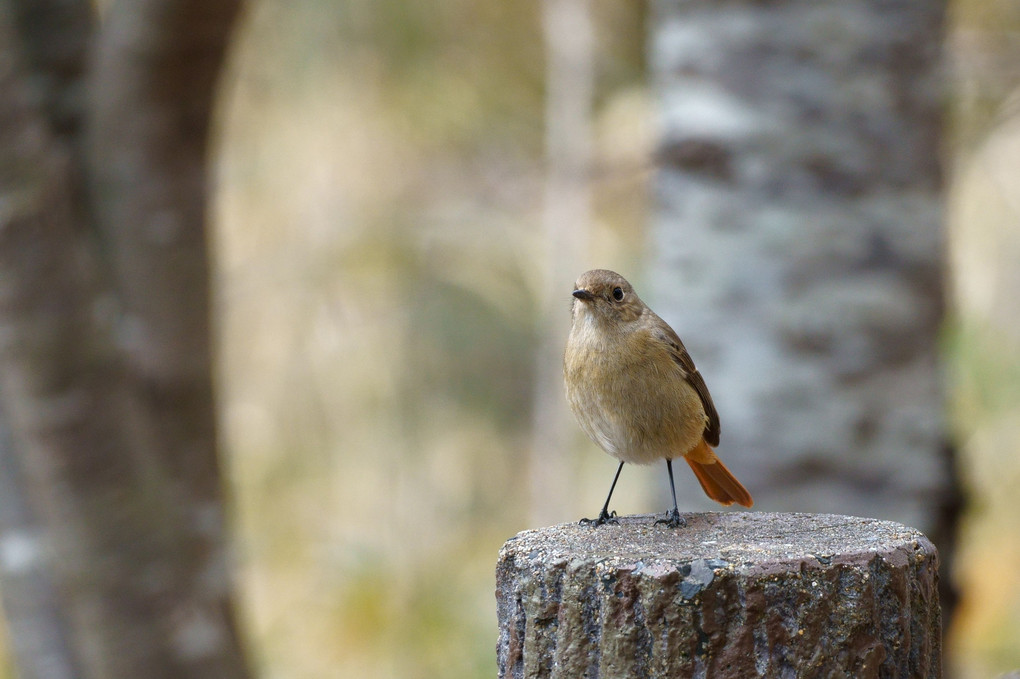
(569, 101)
(38, 639)
(800, 245)
(105, 349)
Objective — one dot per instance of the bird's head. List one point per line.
(605, 296)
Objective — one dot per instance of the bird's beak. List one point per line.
(583, 294)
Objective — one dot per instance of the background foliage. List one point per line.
(381, 169)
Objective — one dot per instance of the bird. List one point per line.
(635, 391)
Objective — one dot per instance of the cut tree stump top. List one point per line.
(729, 594)
(737, 540)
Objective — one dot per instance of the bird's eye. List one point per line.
(618, 294)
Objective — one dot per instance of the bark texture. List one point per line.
(800, 244)
(116, 454)
(39, 641)
(729, 595)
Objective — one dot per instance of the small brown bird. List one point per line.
(635, 391)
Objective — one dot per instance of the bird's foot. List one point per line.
(673, 519)
(604, 517)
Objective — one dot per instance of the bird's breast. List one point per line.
(630, 396)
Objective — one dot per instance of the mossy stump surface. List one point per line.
(728, 595)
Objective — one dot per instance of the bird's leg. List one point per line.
(605, 516)
(673, 518)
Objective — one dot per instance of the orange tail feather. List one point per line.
(717, 481)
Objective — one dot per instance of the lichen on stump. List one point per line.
(729, 595)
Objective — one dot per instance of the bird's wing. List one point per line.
(679, 354)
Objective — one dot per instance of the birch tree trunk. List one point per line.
(799, 246)
(105, 361)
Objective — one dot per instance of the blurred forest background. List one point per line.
(387, 268)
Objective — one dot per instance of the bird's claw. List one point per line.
(673, 519)
(603, 518)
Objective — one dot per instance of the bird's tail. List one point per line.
(716, 480)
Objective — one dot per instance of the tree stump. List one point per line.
(729, 595)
